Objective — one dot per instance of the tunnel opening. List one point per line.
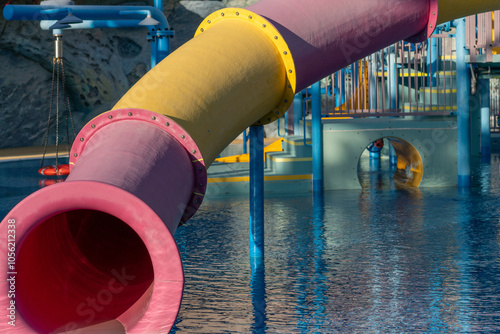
(376, 168)
(78, 269)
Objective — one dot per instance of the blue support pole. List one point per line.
(484, 85)
(317, 138)
(154, 51)
(342, 87)
(245, 140)
(394, 78)
(163, 46)
(297, 113)
(463, 117)
(432, 62)
(256, 192)
(158, 4)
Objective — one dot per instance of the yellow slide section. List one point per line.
(245, 74)
(455, 9)
(274, 147)
(496, 51)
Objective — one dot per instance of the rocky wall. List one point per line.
(100, 66)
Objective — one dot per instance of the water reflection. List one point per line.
(258, 284)
(320, 267)
(371, 261)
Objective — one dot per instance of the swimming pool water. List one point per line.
(378, 260)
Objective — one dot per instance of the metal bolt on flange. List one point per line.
(182, 136)
(167, 123)
(153, 118)
(110, 116)
(93, 126)
(81, 139)
(130, 114)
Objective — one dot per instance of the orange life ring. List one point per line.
(55, 170)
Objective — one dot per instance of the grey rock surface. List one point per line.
(100, 66)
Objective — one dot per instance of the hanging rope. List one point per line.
(58, 89)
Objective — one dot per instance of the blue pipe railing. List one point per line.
(101, 17)
(116, 13)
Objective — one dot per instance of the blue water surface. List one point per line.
(377, 260)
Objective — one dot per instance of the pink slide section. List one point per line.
(327, 35)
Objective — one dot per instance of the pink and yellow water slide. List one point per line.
(97, 251)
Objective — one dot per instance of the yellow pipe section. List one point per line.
(455, 9)
(227, 77)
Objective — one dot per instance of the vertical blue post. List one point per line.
(394, 78)
(463, 103)
(432, 61)
(257, 228)
(256, 192)
(297, 112)
(160, 44)
(163, 47)
(484, 85)
(245, 140)
(317, 138)
(154, 50)
(159, 4)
